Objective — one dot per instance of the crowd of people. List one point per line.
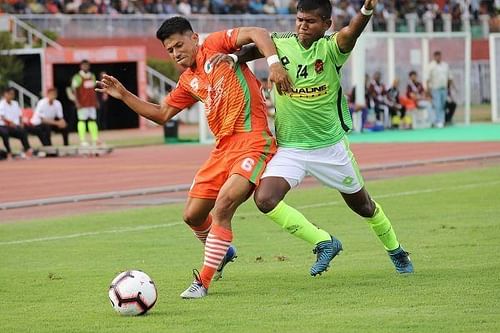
(48, 115)
(343, 10)
(390, 107)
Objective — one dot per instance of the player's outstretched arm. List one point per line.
(158, 113)
(262, 40)
(347, 36)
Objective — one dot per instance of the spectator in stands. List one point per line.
(48, 117)
(238, 7)
(377, 93)
(439, 77)
(396, 110)
(416, 93)
(200, 6)
(256, 7)
(220, 6)
(451, 104)
(184, 7)
(11, 124)
(83, 84)
(269, 7)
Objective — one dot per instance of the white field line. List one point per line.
(173, 224)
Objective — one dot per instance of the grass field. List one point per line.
(55, 273)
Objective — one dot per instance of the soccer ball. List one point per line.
(132, 293)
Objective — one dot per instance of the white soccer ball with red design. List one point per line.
(132, 293)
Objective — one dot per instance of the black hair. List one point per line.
(324, 7)
(85, 61)
(412, 73)
(437, 53)
(9, 89)
(173, 25)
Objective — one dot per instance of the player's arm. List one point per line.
(160, 114)
(265, 46)
(347, 36)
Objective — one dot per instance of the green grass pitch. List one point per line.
(54, 274)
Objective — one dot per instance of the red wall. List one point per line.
(154, 49)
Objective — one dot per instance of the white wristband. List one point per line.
(234, 57)
(271, 60)
(366, 12)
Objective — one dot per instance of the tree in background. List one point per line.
(11, 68)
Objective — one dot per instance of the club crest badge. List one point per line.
(318, 66)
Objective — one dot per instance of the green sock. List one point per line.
(295, 223)
(383, 228)
(82, 130)
(94, 131)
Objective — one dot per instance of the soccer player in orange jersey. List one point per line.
(236, 113)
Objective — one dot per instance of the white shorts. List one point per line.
(87, 113)
(334, 166)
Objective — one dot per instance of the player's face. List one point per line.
(310, 26)
(9, 95)
(85, 67)
(52, 95)
(182, 48)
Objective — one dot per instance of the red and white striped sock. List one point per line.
(218, 242)
(201, 232)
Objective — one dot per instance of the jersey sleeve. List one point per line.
(180, 98)
(76, 81)
(59, 112)
(222, 41)
(339, 57)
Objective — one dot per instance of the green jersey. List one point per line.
(315, 114)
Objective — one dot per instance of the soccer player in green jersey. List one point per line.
(311, 121)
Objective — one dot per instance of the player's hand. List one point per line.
(279, 76)
(219, 58)
(370, 4)
(110, 85)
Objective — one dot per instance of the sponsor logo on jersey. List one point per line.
(194, 84)
(309, 91)
(318, 66)
(208, 67)
(214, 96)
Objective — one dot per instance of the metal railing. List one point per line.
(89, 26)
(158, 84)
(24, 94)
(21, 30)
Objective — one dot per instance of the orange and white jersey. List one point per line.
(232, 97)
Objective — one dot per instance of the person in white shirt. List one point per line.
(48, 117)
(438, 79)
(11, 124)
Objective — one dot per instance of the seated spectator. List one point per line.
(220, 6)
(52, 7)
(256, 7)
(11, 122)
(377, 93)
(396, 110)
(450, 105)
(200, 6)
(354, 107)
(184, 7)
(269, 7)
(416, 93)
(238, 7)
(161, 7)
(49, 117)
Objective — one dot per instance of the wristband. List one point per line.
(366, 12)
(271, 60)
(234, 57)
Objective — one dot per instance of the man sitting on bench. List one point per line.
(49, 117)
